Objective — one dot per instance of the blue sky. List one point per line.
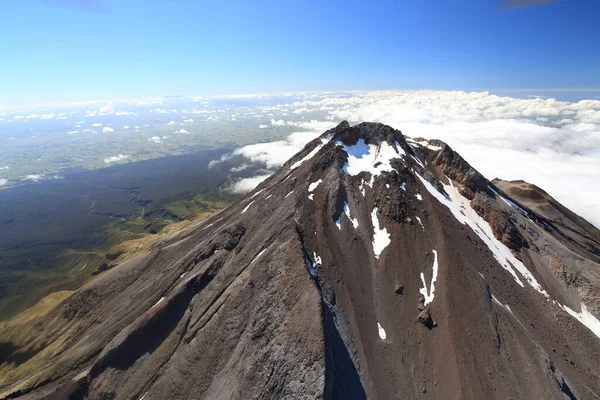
(69, 50)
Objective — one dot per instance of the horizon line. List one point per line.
(161, 98)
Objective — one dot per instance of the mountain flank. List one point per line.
(371, 265)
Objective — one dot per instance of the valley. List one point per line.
(54, 234)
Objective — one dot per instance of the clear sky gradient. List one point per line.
(70, 50)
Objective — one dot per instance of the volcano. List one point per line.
(370, 265)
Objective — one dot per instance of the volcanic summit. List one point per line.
(370, 265)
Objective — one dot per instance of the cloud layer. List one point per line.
(118, 157)
(550, 143)
(247, 184)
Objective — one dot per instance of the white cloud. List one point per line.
(552, 144)
(189, 120)
(125, 113)
(171, 123)
(240, 168)
(275, 154)
(271, 154)
(106, 110)
(262, 126)
(5, 167)
(181, 131)
(97, 124)
(312, 125)
(107, 129)
(3, 182)
(278, 122)
(72, 132)
(247, 184)
(155, 139)
(119, 157)
(34, 177)
(125, 127)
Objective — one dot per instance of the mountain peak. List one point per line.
(370, 132)
(371, 265)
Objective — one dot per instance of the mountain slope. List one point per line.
(369, 266)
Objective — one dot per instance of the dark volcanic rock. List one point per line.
(293, 292)
(500, 222)
(424, 317)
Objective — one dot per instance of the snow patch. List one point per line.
(312, 270)
(347, 212)
(403, 186)
(312, 153)
(419, 197)
(381, 237)
(312, 187)
(417, 160)
(381, 331)
(158, 302)
(586, 318)
(462, 211)
(257, 256)
(371, 158)
(423, 143)
(248, 206)
(257, 193)
(420, 223)
(354, 221)
(361, 187)
(286, 196)
(307, 157)
(429, 294)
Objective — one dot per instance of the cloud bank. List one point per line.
(553, 144)
(118, 157)
(247, 184)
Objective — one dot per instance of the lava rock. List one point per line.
(399, 289)
(424, 317)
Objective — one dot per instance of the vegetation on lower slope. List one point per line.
(18, 355)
